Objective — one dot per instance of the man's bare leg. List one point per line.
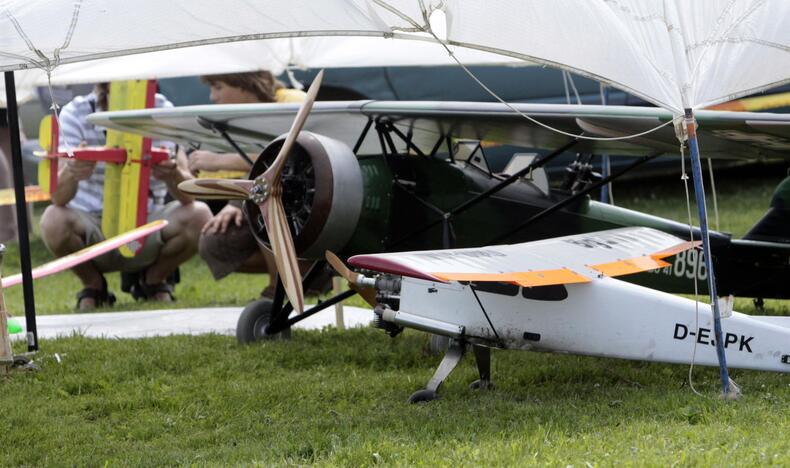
(180, 243)
(63, 233)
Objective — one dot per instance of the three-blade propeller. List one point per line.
(266, 191)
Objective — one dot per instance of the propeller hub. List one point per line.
(260, 190)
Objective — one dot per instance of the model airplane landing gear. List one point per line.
(483, 359)
(254, 320)
(455, 352)
(270, 319)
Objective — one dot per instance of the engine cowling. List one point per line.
(322, 193)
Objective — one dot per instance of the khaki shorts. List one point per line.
(113, 260)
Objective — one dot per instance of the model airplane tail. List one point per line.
(774, 226)
(129, 159)
(557, 295)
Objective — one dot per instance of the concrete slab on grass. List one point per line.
(144, 324)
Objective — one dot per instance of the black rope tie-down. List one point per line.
(500, 342)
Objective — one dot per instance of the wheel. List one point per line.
(24, 363)
(481, 385)
(423, 396)
(438, 344)
(253, 321)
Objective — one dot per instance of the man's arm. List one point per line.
(70, 173)
(202, 160)
(173, 172)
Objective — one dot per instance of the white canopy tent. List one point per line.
(275, 55)
(664, 51)
(678, 54)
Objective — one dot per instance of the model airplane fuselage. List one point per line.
(557, 296)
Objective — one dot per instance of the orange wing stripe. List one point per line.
(676, 249)
(632, 265)
(522, 278)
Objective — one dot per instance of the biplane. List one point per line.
(373, 176)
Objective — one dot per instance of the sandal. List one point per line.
(101, 297)
(146, 292)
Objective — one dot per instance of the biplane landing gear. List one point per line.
(253, 321)
(455, 352)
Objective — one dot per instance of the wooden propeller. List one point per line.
(368, 293)
(266, 192)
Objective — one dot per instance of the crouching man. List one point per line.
(73, 220)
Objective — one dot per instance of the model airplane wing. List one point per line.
(563, 260)
(745, 135)
(88, 253)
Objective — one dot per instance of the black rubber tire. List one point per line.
(253, 320)
(423, 396)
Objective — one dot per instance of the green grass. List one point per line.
(338, 398)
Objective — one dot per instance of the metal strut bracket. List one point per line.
(455, 352)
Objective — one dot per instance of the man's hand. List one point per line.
(220, 222)
(167, 171)
(202, 160)
(80, 169)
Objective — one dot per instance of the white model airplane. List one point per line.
(557, 295)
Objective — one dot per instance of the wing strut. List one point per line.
(446, 218)
(559, 205)
(223, 130)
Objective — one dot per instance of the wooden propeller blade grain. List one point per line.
(273, 173)
(284, 251)
(367, 293)
(217, 189)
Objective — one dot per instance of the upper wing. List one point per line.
(745, 135)
(570, 259)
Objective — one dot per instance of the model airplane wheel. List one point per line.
(481, 385)
(423, 396)
(253, 321)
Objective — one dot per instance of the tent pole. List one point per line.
(21, 212)
(699, 194)
(606, 164)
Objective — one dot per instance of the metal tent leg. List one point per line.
(21, 213)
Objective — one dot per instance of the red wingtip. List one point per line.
(384, 265)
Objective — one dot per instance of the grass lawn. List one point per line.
(338, 398)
